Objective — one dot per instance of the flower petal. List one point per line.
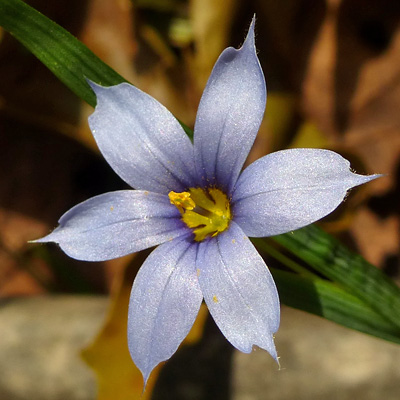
(115, 224)
(289, 189)
(239, 290)
(229, 116)
(141, 139)
(164, 303)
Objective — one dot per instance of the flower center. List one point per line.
(206, 211)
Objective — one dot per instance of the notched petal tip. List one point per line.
(51, 237)
(272, 350)
(250, 37)
(230, 113)
(35, 241)
(164, 303)
(352, 179)
(115, 224)
(268, 345)
(91, 83)
(145, 376)
(289, 189)
(361, 179)
(141, 140)
(97, 88)
(249, 43)
(239, 291)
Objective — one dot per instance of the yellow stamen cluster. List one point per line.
(182, 201)
(206, 211)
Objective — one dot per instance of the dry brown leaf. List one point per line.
(212, 22)
(352, 85)
(352, 92)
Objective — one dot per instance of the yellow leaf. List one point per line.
(211, 21)
(279, 115)
(309, 136)
(108, 355)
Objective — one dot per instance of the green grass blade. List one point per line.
(329, 257)
(327, 300)
(69, 59)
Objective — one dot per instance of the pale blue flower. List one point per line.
(192, 201)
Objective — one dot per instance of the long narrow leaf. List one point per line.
(329, 257)
(323, 298)
(69, 59)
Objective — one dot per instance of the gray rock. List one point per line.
(40, 342)
(319, 360)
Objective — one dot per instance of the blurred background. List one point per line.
(333, 75)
